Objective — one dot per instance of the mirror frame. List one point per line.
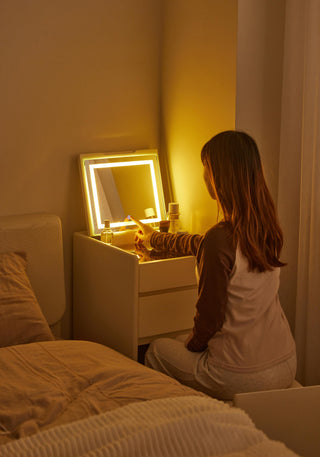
(116, 159)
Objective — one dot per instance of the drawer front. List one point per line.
(167, 274)
(166, 312)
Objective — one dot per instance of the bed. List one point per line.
(79, 398)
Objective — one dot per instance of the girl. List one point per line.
(241, 340)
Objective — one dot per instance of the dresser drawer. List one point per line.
(167, 274)
(166, 312)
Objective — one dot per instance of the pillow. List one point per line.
(21, 319)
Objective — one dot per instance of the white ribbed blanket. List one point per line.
(172, 427)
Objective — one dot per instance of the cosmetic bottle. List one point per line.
(107, 233)
(173, 217)
(150, 214)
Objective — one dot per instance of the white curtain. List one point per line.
(299, 181)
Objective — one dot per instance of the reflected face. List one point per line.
(207, 180)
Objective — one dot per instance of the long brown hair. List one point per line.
(233, 161)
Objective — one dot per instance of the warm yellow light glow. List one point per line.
(124, 191)
(92, 168)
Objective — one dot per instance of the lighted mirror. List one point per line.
(116, 185)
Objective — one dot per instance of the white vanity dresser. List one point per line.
(118, 300)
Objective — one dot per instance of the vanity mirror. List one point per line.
(116, 185)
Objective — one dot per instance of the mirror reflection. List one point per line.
(124, 190)
(116, 186)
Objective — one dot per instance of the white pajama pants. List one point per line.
(170, 356)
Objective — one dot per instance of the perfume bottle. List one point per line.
(150, 214)
(107, 233)
(173, 217)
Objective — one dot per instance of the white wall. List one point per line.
(259, 79)
(76, 76)
(198, 96)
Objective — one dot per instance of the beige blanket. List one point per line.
(56, 382)
(189, 426)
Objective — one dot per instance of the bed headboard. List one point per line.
(40, 236)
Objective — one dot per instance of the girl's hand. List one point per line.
(144, 232)
(142, 252)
